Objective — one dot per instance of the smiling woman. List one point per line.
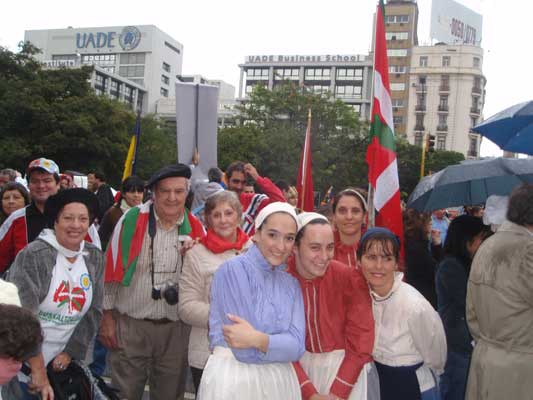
(410, 343)
(256, 319)
(60, 279)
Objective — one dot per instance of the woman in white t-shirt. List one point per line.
(60, 279)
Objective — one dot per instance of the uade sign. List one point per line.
(129, 39)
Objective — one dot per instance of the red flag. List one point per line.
(304, 186)
(381, 152)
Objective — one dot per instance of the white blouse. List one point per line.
(408, 330)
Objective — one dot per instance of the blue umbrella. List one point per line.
(511, 129)
(470, 183)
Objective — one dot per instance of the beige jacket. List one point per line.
(499, 312)
(199, 266)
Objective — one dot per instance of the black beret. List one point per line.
(170, 171)
(55, 203)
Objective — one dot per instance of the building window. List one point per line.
(166, 67)
(397, 104)
(472, 148)
(397, 35)
(317, 74)
(131, 71)
(396, 52)
(443, 103)
(397, 69)
(446, 61)
(349, 74)
(257, 74)
(318, 89)
(281, 74)
(397, 120)
(443, 118)
(98, 59)
(396, 19)
(348, 91)
(397, 86)
(419, 126)
(164, 92)
(165, 79)
(477, 62)
(419, 136)
(445, 82)
(441, 142)
(423, 61)
(473, 121)
(475, 101)
(356, 108)
(132, 58)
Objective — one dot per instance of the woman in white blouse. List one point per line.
(410, 345)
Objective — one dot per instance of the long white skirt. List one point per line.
(322, 368)
(226, 378)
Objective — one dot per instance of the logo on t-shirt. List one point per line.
(74, 299)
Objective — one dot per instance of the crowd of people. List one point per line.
(228, 280)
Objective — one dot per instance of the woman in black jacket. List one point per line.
(421, 256)
(465, 234)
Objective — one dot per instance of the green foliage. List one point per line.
(272, 132)
(56, 114)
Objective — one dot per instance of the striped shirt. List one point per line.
(136, 300)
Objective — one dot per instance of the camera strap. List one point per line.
(152, 230)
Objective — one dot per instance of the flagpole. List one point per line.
(137, 137)
(370, 199)
(304, 163)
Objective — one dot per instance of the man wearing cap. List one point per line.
(140, 326)
(24, 225)
(251, 203)
(338, 309)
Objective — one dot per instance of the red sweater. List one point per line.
(252, 203)
(338, 312)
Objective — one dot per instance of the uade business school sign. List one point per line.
(128, 39)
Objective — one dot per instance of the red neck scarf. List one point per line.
(216, 244)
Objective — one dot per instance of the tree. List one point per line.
(56, 114)
(272, 131)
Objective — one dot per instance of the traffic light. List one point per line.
(430, 144)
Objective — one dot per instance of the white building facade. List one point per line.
(346, 77)
(446, 96)
(143, 55)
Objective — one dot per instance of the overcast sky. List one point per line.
(217, 35)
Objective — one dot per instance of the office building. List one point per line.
(401, 24)
(141, 58)
(346, 77)
(446, 96)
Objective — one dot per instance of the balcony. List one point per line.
(421, 88)
(444, 88)
(476, 90)
(443, 108)
(474, 110)
(420, 107)
(442, 128)
(419, 127)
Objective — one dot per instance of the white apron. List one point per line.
(69, 298)
(322, 368)
(226, 378)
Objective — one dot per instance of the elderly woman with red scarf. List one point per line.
(225, 239)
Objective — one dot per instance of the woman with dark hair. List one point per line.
(224, 240)
(131, 195)
(465, 234)
(60, 279)
(349, 216)
(421, 257)
(410, 345)
(14, 196)
(256, 317)
(499, 307)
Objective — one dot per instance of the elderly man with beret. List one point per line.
(141, 326)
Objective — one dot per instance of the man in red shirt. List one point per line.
(339, 323)
(251, 203)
